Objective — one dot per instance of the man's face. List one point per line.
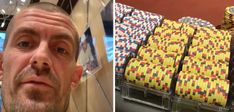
(38, 63)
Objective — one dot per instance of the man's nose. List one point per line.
(41, 58)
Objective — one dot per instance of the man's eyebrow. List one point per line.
(27, 30)
(64, 36)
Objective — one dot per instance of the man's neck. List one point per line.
(2, 110)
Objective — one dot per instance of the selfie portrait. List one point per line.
(51, 57)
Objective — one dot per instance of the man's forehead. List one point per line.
(28, 13)
(36, 11)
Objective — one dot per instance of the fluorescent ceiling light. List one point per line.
(18, 9)
(3, 24)
(3, 11)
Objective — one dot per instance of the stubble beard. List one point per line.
(27, 105)
(13, 102)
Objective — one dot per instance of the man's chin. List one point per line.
(36, 94)
(28, 105)
(34, 101)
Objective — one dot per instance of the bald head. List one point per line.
(48, 7)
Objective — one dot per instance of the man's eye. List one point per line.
(24, 44)
(61, 50)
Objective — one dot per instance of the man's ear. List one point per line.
(77, 76)
(1, 66)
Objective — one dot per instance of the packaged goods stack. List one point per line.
(228, 20)
(121, 10)
(196, 22)
(205, 71)
(158, 61)
(182, 65)
(132, 27)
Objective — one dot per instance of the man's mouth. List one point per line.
(37, 82)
